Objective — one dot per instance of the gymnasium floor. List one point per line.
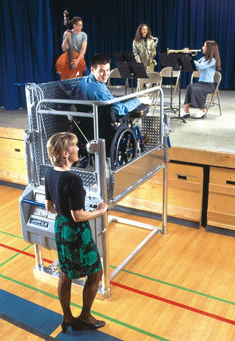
(180, 287)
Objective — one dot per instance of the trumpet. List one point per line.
(185, 50)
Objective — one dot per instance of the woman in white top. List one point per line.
(196, 93)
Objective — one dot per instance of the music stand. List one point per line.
(128, 67)
(180, 62)
(186, 64)
(169, 60)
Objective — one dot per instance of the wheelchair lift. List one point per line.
(50, 111)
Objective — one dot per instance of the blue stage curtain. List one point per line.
(31, 35)
(26, 45)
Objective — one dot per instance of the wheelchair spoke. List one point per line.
(125, 148)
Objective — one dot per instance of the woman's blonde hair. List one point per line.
(58, 143)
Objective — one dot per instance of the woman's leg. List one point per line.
(186, 107)
(89, 293)
(187, 101)
(64, 292)
(200, 97)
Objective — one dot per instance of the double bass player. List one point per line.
(72, 64)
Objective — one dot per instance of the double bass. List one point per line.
(63, 64)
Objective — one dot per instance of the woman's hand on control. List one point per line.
(102, 207)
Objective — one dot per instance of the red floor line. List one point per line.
(122, 286)
(23, 252)
(173, 303)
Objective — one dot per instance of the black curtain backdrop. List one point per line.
(31, 34)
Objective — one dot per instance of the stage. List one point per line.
(214, 133)
(208, 139)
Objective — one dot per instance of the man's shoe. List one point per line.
(184, 114)
(199, 114)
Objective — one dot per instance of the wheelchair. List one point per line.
(123, 137)
(127, 141)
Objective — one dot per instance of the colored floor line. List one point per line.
(165, 300)
(142, 331)
(198, 311)
(17, 253)
(11, 235)
(26, 328)
(42, 321)
(145, 277)
(175, 286)
(72, 304)
(23, 252)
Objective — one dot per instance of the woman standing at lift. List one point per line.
(77, 253)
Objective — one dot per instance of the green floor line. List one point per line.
(142, 331)
(16, 255)
(175, 286)
(11, 235)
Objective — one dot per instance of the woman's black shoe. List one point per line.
(75, 325)
(96, 325)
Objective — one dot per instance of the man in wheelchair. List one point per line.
(93, 87)
(122, 138)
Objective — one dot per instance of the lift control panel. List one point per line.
(38, 224)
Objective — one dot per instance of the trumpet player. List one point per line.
(196, 93)
(144, 47)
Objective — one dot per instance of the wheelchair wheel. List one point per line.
(123, 147)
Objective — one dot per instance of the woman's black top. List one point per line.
(65, 190)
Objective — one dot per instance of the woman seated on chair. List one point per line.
(196, 93)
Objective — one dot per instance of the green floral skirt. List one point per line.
(77, 253)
